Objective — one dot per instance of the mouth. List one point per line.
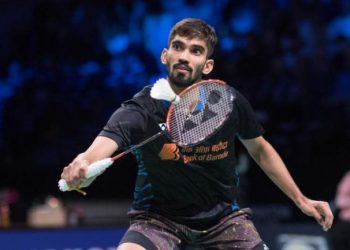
(182, 68)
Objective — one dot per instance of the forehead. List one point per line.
(190, 41)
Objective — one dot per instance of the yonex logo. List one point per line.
(213, 98)
(162, 126)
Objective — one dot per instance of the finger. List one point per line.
(64, 173)
(311, 210)
(314, 212)
(322, 210)
(72, 173)
(327, 215)
(82, 173)
(75, 172)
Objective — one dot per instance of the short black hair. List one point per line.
(195, 28)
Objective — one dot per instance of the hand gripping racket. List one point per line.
(195, 114)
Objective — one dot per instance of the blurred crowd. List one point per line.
(65, 65)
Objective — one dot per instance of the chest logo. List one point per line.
(170, 152)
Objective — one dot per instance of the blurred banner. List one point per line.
(301, 242)
(295, 236)
(61, 239)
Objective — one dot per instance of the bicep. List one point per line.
(248, 124)
(254, 146)
(261, 150)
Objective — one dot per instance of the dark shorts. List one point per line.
(154, 232)
(339, 235)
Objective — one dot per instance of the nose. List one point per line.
(184, 56)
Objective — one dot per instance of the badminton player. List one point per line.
(185, 198)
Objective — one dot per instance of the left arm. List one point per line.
(271, 163)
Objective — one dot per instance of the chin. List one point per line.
(181, 81)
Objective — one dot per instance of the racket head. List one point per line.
(202, 110)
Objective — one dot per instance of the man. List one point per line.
(189, 205)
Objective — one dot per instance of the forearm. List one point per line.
(101, 148)
(271, 163)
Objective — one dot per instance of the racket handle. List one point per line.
(93, 171)
(98, 167)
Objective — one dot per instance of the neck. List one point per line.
(176, 88)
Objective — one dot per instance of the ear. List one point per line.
(163, 56)
(208, 67)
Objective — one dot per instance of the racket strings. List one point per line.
(201, 111)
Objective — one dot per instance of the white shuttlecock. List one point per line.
(161, 90)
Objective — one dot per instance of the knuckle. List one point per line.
(75, 175)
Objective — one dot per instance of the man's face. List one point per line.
(186, 61)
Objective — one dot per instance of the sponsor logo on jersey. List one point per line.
(170, 152)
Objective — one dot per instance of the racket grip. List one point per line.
(93, 170)
(98, 167)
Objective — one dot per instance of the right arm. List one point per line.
(102, 147)
(123, 128)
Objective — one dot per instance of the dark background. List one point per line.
(66, 65)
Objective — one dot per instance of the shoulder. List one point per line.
(142, 101)
(141, 96)
(240, 101)
(239, 97)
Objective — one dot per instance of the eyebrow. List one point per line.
(177, 42)
(196, 46)
(199, 47)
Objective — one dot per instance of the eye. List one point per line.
(176, 46)
(197, 51)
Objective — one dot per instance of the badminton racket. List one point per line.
(195, 115)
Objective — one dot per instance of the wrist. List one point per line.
(299, 199)
(82, 160)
